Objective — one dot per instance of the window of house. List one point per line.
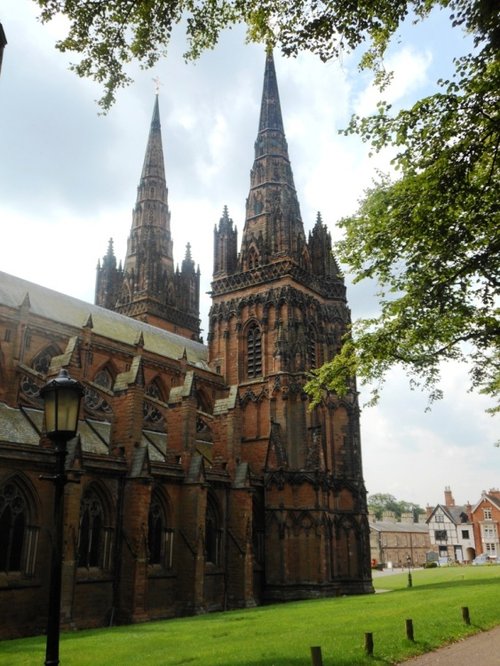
(490, 549)
(439, 518)
(489, 531)
(487, 514)
(440, 535)
(18, 536)
(95, 537)
(254, 351)
(465, 534)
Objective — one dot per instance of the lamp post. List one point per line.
(408, 562)
(61, 397)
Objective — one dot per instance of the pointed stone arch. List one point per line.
(213, 530)
(19, 524)
(252, 336)
(96, 529)
(160, 530)
(42, 359)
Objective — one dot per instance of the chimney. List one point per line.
(448, 497)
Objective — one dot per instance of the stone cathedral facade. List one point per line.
(202, 479)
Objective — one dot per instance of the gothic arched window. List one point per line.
(213, 533)
(253, 258)
(104, 378)
(160, 536)
(258, 529)
(95, 538)
(18, 536)
(254, 351)
(154, 390)
(312, 349)
(41, 362)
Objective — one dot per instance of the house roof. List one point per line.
(58, 307)
(488, 497)
(387, 526)
(454, 513)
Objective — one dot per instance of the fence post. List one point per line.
(369, 643)
(316, 658)
(409, 630)
(465, 614)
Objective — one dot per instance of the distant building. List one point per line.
(451, 531)
(486, 521)
(393, 542)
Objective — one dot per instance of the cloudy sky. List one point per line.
(68, 180)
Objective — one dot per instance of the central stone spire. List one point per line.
(273, 225)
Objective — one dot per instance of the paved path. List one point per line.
(482, 649)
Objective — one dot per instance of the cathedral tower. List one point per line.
(279, 310)
(148, 287)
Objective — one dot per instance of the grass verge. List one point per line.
(281, 635)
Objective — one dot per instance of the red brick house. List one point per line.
(203, 481)
(486, 523)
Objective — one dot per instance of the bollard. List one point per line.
(409, 630)
(465, 614)
(316, 658)
(369, 644)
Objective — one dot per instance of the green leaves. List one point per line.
(431, 240)
(109, 35)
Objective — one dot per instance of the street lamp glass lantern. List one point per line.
(61, 397)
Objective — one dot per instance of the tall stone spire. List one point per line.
(150, 247)
(279, 311)
(151, 288)
(273, 226)
(270, 109)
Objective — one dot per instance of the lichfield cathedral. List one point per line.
(201, 479)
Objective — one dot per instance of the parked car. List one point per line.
(486, 559)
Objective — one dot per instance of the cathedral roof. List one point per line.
(70, 311)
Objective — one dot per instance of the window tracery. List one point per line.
(95, 536)
(160, 536)
(254, 351)
(18, 536)
(213, 533)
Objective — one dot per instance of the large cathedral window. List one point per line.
(312, 349)
(254, 351)
(95, 538)
(18, 537)
(160, 536)
(213, 533)
(253, 258)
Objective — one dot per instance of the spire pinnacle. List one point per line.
(270, 110)
(153, 160)
(273, 224)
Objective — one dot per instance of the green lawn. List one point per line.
(283, 634)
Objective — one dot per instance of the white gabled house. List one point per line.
(451, 531)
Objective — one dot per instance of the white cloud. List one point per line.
(410, 72)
